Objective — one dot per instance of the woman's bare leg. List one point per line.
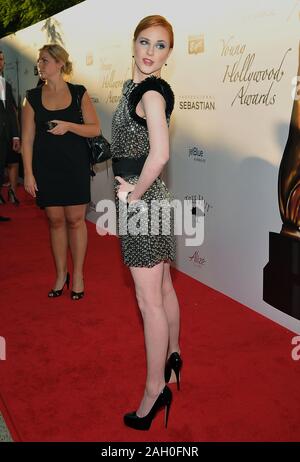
(77, 233)
(59, 243)
(171, 306)
(148, 286)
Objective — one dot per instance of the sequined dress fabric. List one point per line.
(151, 238)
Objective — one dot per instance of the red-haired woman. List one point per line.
(140, 150)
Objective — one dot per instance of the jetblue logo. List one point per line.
(197, 154)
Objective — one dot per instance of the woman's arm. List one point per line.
(154, 107)
(89, 129)
(28, 135)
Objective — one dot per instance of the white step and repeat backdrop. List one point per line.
(231, 72)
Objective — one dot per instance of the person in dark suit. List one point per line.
(9, 129)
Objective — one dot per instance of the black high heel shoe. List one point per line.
(12, 197)
(76, 295)
(174, 362)
(57, 293)
(164, 399)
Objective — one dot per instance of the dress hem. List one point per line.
(152, 264)
(43, 206)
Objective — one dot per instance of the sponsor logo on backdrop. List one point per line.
(196, 44)
(197, 259)
(89, 59)
(197, 102)
(257, 85)
(196, 154)
(192, 201)
(112, 81)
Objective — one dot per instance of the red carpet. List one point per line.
(74, 368)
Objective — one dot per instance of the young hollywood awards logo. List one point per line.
(196, 44)
(257, 85)
(196, 154)
(112, 82)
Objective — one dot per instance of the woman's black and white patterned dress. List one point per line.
(147, 230)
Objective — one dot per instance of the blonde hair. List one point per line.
(59, 54)
(154, 20)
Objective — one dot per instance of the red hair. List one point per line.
(154, 20)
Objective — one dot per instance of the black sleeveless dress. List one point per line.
(60, 162)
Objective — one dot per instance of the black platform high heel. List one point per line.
(12, 197)
(57, 293)
(76, 295)
(164, 399)
(174, 363)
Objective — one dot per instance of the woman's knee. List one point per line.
(56, 222)
(75, 222)
(148, 301)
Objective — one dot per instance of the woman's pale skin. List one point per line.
(154, 289)
(67, 224)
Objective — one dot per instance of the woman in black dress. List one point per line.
(56, 161)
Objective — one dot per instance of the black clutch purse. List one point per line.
(98, 146)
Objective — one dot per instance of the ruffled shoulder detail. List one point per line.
(155, 84)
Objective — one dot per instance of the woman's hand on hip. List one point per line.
(124, 188)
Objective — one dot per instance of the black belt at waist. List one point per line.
(123, 166)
